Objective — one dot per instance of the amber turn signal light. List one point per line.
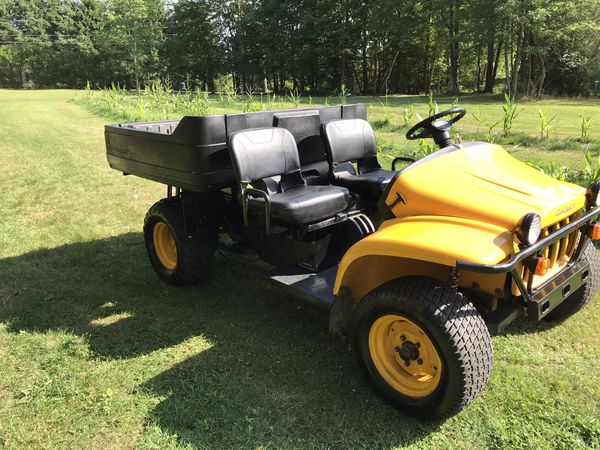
(542, 266)
(594, 231)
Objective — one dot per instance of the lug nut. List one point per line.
(418, 345)
(402, 338)
(420, 361)
(407, 363)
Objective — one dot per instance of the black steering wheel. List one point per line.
(436, 128)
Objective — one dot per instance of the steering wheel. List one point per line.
(436, 128)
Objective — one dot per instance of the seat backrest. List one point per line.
(305, 127)
(350, 140)
(265, 152)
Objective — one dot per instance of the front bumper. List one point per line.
(557, 290)
(540, 301)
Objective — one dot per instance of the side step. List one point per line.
(314, 287)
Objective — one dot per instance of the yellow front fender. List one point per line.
(424, 246)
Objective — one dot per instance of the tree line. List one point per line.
(530, 47)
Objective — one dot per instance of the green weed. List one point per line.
(585, 124)
(545, 123)
(511, 112)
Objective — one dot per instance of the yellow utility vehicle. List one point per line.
(416, 265)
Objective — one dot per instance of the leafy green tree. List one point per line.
(193, 45)
(131, 39)
(309, 46)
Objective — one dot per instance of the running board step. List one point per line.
(314, 287)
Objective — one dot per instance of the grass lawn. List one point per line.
(96, 352)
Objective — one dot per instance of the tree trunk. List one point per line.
(478, 74)
(489, 68)
(506, 68)
(496, 65)
(541, 78)
(375, 72)
(454, 67)
(23, 78)
(516, 66)
(135, 67)
(211, 77)
(365, 69)
(432, 71)
(453, 29)
(529, 68)
(387, 78)
(428, 62)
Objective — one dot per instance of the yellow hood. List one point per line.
(483, 182)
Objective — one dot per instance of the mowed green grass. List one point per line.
(96, 352)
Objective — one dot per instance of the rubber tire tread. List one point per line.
(584, 294)
(452, 323)
(195, 254)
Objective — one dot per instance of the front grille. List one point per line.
(560, 253)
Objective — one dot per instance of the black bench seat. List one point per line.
(269, 152)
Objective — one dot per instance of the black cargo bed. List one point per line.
(192, 153)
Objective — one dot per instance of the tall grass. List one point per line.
(546, 122)
(585, 124)
(511, 112)
(479, 119)
(160, 101)
(432, 105)
(408, 115)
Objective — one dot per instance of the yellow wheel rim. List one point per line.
(405, 356)
(164, 243)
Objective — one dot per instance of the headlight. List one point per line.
(592, 195)
(530, 229)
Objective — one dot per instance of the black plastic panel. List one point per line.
(192, 153)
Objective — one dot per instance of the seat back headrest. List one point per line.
(263, 152)
(305, 128)
(349, 140)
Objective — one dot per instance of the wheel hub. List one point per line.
(409, 351)
(405, 356)
(165, 246)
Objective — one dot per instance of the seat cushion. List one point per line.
(371, 184)
(305, 204)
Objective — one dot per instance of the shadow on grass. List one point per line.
(272, 377)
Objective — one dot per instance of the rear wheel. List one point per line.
(585, 293)
(424, 346)
(177, 258)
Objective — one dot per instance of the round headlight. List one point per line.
(592, 195)
(530, 229)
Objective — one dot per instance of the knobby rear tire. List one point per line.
(195, 253)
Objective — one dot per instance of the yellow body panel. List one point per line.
(459, 205)
(423, 245)
(484, 183)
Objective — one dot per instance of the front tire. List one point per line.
(424, 346)
(178, 258)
